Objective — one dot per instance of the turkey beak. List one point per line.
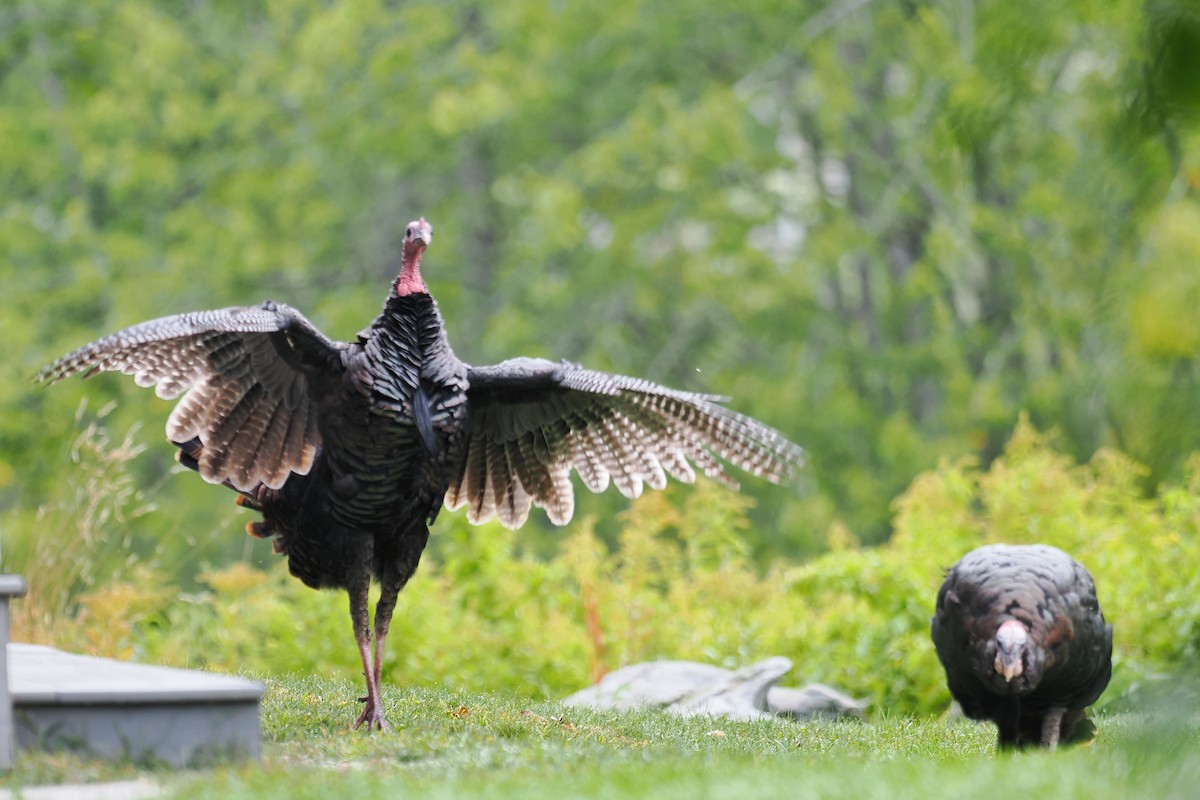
(424, 232)
(1009, 665)
(1010, 649)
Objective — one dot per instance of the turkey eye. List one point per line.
(408, 232)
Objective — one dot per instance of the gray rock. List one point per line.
(738, 695)
(651, 683)
(689, 688)
(814, 701)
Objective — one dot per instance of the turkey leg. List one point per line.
(1052, 727)
(390, 587)
(1008, 720)
(360, 615)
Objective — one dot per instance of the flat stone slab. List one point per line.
(140, 789)
(116, 709)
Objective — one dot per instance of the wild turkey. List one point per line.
(349, 450)
(1021, 636)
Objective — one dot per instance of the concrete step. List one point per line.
(140, 789)
(115, 709)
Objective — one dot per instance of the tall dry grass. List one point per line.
(75, 551)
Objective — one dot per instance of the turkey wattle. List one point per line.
(349, 449)
(1021, 636)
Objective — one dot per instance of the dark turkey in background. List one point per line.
(1021, 636)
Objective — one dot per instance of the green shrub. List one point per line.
(681, 584)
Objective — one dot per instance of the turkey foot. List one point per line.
(372, 715)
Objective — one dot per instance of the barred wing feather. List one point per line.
(532, 421)
(250, 377)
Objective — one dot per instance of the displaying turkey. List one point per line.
(349, 450)
(1021, 636)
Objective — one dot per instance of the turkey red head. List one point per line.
(417, 237)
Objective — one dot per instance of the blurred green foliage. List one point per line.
(481, 616)
(884, 228)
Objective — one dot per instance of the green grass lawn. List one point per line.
(487, 745)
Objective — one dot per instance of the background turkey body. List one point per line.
(348, 449)
(1023, 641)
